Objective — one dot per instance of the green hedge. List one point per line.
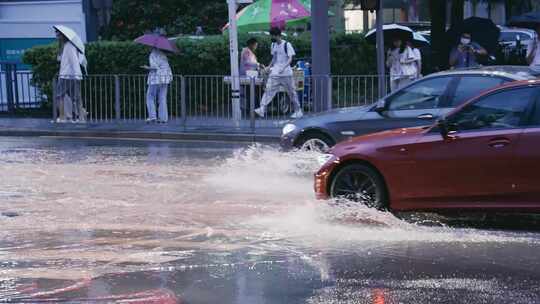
(350, 55)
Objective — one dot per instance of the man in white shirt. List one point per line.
(281, 75)
(68, 89)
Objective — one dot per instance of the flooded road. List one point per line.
(93, 221)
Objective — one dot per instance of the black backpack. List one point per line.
(286, 49)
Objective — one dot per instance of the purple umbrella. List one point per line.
(158, 41)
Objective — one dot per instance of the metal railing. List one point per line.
(206, 100)
(17, 92)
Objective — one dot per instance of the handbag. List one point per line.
(409, 69)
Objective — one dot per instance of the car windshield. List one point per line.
(512, 36)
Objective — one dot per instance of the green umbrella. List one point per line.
(263, 14)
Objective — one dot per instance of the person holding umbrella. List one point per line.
(402, 62)
(68, 87)
(159, 74)
(466, 53)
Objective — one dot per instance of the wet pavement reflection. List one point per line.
(100, 221)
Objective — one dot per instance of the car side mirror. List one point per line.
(442, 124)
(381, 107)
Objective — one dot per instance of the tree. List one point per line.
(131, 18)
(518, 7)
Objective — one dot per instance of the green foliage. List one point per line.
(44, 67)
(131, 18)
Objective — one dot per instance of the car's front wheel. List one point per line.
(360, 183)
(315, 143)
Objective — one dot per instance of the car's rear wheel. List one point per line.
(360, 183)
(315, 143)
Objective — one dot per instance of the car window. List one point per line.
(536, 114)
(503, 110)
(422, 95)
(470, 86)
(511, 36)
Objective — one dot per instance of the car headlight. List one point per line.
(324, 158)
(288, 128)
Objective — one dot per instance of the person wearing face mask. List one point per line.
(466, 53)
(281, 75)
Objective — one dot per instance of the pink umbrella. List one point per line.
(264, 14)
(158, 41)
(285, 10)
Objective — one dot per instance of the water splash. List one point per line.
(266, 172)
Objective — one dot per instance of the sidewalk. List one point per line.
(137, 130)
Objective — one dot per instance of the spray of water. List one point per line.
(285, 180)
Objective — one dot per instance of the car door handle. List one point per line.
(426, 116)
(499, 143)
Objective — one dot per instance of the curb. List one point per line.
(143, 135)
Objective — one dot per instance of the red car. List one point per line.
(483, 155)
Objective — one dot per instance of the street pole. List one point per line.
(233, 48)
(365, 22)
(320, 52)
(380, 51)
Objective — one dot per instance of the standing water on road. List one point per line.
(94, 221)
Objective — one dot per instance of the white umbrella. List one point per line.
(419, 38)
(72, 36)
(390, 30)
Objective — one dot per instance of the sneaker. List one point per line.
(260, 112)
(150, 120)
(297, 114)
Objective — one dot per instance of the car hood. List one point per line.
(379, 140)
(342, 114)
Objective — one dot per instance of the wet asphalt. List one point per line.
(126, 221)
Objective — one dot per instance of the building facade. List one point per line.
(24, 24)
(412, 11)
